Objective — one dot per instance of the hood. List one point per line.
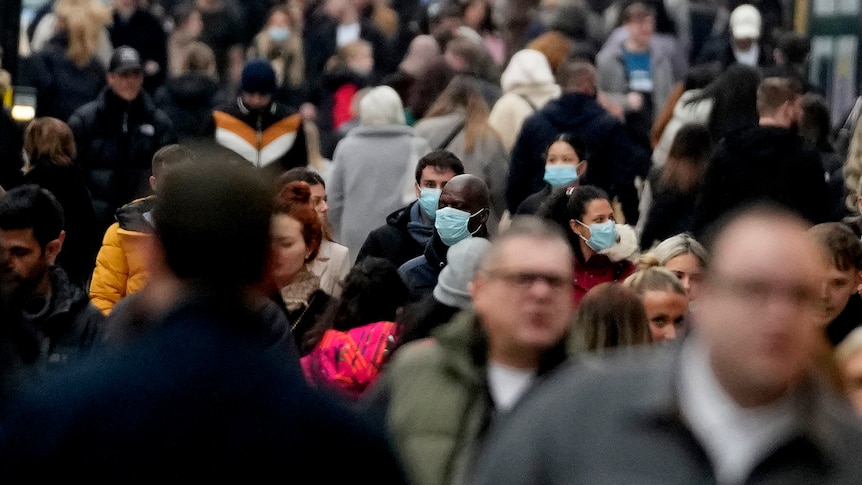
(131, 216)
(527, 68)
(573, 110)
(193, 89)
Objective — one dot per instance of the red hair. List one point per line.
(293, 200)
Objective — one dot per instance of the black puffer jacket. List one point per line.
(116, 141)
(188, 100)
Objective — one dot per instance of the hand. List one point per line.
(635, 101)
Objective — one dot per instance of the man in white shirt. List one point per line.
(739, 402)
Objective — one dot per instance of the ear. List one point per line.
(858, 281)
(574, 226)
(53, 248)
(483, 217)
(418, 189)
(581, 168)
(153, 183)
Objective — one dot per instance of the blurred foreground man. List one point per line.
(739, 402)
(440, 395)
(198, 397)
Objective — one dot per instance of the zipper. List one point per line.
(259, 137)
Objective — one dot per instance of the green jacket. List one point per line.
(438, 405)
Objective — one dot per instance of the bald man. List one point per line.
(462, 212)
(738, 402)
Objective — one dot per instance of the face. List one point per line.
(597, 211)
(665, 311)
(278, 19)
(127, 85)
(288, 249)
(743, 44)
(256, 101)
(433, 178)
(757, 314)
(362, 62)
(838, 287)
(851, 373)
(561, 152)
(640, 31)
(23, 263)
(320, 202)
(459, 196)
(524, 298)
(688, 269)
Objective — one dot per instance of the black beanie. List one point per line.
(258, 77)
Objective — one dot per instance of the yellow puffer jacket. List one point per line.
(121, 266)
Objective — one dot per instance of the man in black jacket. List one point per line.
(408, 230)
(60, 323)
(117, 135)
(765, 162)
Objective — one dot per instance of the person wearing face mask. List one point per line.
(462, 212)
(565, 164)
(595, 237)
(280, 42)
(408, 229)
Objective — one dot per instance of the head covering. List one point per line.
(463, 259)
(258, 77)
(423, 48)
(381, 106)
(745, 22)
(527, 67)
(125, 59)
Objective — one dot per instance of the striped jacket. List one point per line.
(272, 138)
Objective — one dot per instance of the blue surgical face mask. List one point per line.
(602, 235)
(451, 224)
(278, 34)
(561, 175)
(428, 200)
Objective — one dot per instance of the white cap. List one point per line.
(745, 22)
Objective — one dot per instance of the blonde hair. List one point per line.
(651, 276)
(200, 58)
(463, 95)
(84, 22)
(286, 57)
(347, 52)
(48, 141)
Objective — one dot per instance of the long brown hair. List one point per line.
(48, 141)
(687, 159)
(463, 95)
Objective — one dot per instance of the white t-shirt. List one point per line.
(736, 439)
(508, 384)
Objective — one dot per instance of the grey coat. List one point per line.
(612, 78)
(372, 175)
(619, 422)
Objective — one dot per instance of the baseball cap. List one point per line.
(125, 59)
(745, 22)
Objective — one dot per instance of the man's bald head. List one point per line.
(470, 194)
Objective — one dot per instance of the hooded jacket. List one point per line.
(614, 160)
(121, 266)
(763, 163)
(188, 100)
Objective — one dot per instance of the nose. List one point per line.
(324, 207)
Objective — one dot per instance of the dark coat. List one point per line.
(61, 85)
(116, 142)
(67, 183)
(188, 100)
(11, 144)
(671, 212)
(614, 160)
(762, 163)
(196, 399)
(420, 273)
(717, 49)
(392, 241)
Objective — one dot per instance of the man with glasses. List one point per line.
(740, 401)
(442, 394)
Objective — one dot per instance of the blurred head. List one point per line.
(639, 19)
(31, 237)
(200, 59)
(815, 123)
(48, 141)
(126, 73)
(577, 76)
(686, 258)
(372, 292)
(757, 315)
(522, 292)
(745, 26)
(381, 106)
(610, 315)
(257, 84)
(778, 100)
(358, 56)
(848, 357)
(841, 253)
(318, 200)
(296, 233)
(168, 158)
(664, 298)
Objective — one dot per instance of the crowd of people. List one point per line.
(455, 241)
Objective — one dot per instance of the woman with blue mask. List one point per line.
(280, 42)
(586, 213)
(565, 164)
